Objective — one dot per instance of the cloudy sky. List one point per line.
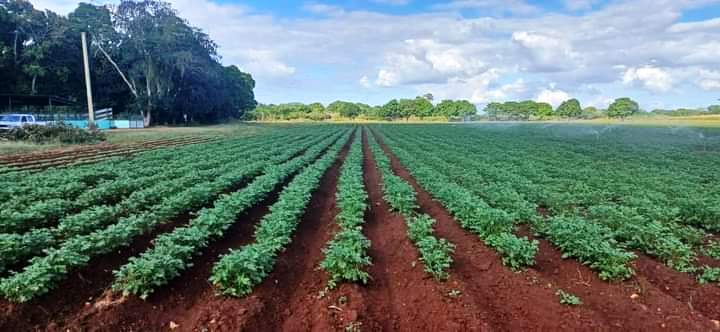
(663, 53)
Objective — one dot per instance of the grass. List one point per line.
(131, 136)
(22, 147)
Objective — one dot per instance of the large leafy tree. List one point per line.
(455, 108)
(622, 108)
(569, 109)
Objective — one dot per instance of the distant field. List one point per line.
(502, 226)
(693, 121)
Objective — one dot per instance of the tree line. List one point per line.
(569, 109)
(145, 60)
(403, 109)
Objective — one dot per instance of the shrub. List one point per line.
(54, 133)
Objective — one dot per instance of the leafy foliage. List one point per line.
(436, 254)
(54, 133)
(237, 272)
(172, 68)
(567, 298)
(45, 272)
(712, 249)
(709, 274)
(495, 226)
(173, 251)
(346, 255)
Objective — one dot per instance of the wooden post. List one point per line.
(88, 87)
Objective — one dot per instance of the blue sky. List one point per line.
(663, 53)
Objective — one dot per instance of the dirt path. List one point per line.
(637, 304)
(683, 287)
(401, 296)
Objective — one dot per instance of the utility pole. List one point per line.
(88, 87)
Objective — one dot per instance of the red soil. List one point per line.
(401, 295)
(77, 292)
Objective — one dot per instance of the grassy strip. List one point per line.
(237, 273)
(346, 255)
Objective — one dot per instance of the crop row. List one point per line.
(601, 253)
(16, 247)
(510, 181)
(436, 254)
(346, 254)
(172, 252)
(42, 207)
(237, 272)
(494, 226)
(666, 240)
(45, 272)
(51, 183)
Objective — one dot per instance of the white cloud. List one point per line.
(263, 63)
(711, 24)
(554, 97)
(365, 82)
(427, 61)
(545, 52)
(652, 78)
(708, 79)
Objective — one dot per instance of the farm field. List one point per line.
(412, 227)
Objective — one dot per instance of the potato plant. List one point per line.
(237, 272)
(345, 256)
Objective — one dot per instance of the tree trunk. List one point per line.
(147, 118)
(33, 91)
(15, 48)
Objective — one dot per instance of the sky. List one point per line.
(662, 53)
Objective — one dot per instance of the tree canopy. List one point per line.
(417, 108)
(569, 109)
(622, 108)
(145, 60)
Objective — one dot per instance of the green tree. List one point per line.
(391, 109)
(591, 112)
(544, 110)
(569, 109)
(344, 109)
(453, 109)
(424, 108)
(622, 108)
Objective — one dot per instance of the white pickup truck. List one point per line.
(10, 121)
